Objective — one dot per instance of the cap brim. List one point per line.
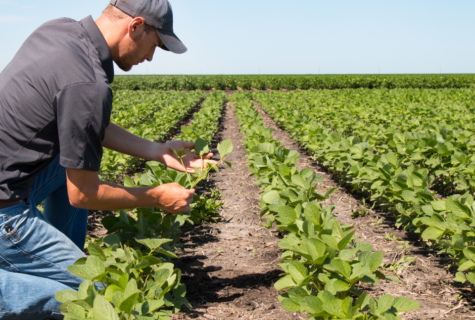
(171, 42)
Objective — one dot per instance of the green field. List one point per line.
(407, 152)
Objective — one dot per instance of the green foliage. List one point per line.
(395, 148)
(322, 261)
(291, 82)
(150, 115)
(140, 284)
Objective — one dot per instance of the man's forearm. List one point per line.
(87, 191)
(120, 140)
(108, 196)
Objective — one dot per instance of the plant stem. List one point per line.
(186, 171)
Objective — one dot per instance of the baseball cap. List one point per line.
(156, 13)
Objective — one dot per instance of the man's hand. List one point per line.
(191, 160)
(175, 199)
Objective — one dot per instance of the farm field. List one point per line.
(352, 203)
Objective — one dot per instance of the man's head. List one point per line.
(133, 29)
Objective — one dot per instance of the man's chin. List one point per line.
(124, 67)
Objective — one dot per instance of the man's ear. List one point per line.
(136, 24)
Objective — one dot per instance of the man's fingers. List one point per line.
(211, 161)
(188, 145)
(207, 156)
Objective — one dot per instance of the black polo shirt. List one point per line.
(55, 99)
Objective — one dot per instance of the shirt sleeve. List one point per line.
(83, 114)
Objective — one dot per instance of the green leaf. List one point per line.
(65, 296)
(225, 148)
(128, 182)
(83, 290)
(360, 302)
(124, 217)
(432, 233)
(330, 241)
(103, 310)
(469, 253)
(161, 276)
(334, 307)
(153, 243)
(297, 271)
(129, 303)
(95, 250)
(298, 180)
(385, 303)
(403, 304)
(271, 197)
(466, 265)
(345, 241)
(131, 288)
(342, 267)
(112, 239)
(313, 304)
(152, 305)
(111, 289)
(229, 164)
(287, 215)
(341, 286)
(285, 283)
(459, 210)
(94, 269)
(347, 255)
(460, 277)
(364, 246)
(290, 306)
(471, 277)
(201, 147)
(312, 213)
(438, 205)
(77, 310)
(394, 279)
(376, 260)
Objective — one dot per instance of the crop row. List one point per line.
(395, 181)
(131, 276)
(291, 82)
(432, 129)
(322, 261)
(163, 112)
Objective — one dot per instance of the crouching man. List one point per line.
(55, 107)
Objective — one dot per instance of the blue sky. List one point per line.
(287, 37)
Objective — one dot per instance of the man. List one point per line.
(55, 106)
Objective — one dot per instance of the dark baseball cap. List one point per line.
(158, 14)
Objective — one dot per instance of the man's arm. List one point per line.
(87, 191)
(120, 140)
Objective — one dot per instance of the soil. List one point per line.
(230, 267)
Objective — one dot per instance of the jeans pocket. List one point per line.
(12, 220)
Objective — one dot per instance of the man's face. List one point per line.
(137, 48)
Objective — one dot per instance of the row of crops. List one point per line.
(322, 262)
(402, 150)
(290, 82)
(129, 273)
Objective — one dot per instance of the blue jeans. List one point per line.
(36, 249)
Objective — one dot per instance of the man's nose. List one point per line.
(149, 56)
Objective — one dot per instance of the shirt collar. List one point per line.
(101, 45)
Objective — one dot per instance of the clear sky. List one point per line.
(286, 37)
